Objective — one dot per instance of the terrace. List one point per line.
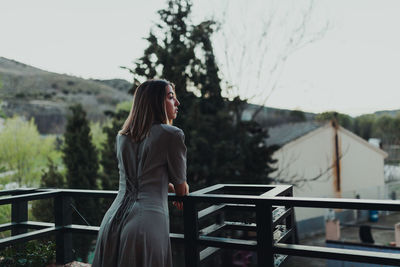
(270, 228)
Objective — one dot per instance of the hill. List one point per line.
(392, 113)
(46, 96)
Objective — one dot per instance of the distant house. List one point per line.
(326, 160)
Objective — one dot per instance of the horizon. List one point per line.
(266, 106)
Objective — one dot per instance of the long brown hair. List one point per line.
(148, 106)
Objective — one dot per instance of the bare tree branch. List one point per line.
(256, 52)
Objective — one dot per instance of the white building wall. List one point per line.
(306, 158)
(312, 154)
(362, 168)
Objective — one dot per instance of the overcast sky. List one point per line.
(352, 69)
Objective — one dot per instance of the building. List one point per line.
(326, 160)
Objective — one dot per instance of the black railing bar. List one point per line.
(221, 207)
(260, 186)
(89, 193)
(16, 191)
(277, 191)
(221, 242)
(7, 226)
(236, 187)
(47, 189)
(176, 237)
(207, 252)
(21, 238)
(367, 245)
(358, 204)
(210, 210)
(213, 228)
(78, 228)
(282, 216)
(381, 258)
(380, 227)
(284, 236)
(208, 189)
(30, 196)
(344, 203)
(250, 189)
(240, 206)
(36, 225)
(240, 226)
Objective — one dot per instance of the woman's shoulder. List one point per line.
(170, 130)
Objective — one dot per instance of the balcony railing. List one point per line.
(273, 226)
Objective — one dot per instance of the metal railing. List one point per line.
(272, 205)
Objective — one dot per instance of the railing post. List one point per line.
(192, 255)
(291, 222)
(265, 237)
(62, 217)
(19, 213)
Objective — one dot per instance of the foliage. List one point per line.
(387, 128)
(384, 127)
(343, 119)
(363, 125)
(5, 214)
(98, 136)
(80, 159)
(35, 253)
(297, 116)
(43, 210)
(126, 105)
(110, 175)
(80, 155)
(2, 114)
(221, 148)
(25, 151)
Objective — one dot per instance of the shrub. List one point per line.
(35, 253)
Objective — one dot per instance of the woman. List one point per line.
(135, 230)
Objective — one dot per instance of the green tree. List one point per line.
(43, 210)
(80, 154)
(221, 148)
(110, 175)
(387, 128)
(343, 119)
(297, 116)
(2, 115)
(364, 125)
(80, 159)
(24, 151)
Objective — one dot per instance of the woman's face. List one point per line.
(171, 103)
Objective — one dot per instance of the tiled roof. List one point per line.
(285, 133)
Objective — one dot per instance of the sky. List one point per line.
(350, 65)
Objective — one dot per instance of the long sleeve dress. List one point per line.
(135, 230)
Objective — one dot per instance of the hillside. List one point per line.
(46, 96)
(392, 113)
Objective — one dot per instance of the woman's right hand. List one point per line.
(181, 190)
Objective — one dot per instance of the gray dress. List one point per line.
(135, 230)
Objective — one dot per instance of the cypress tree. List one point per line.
(221, 147)
(110, 175)
(80, 159)
(43, 210)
